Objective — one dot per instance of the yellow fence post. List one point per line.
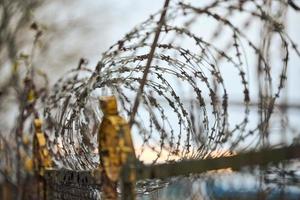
(116, 151)
(42, 159)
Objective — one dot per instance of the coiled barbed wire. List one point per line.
(185, 106)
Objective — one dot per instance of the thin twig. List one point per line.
(150, 57)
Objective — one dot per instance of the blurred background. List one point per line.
(71, 30)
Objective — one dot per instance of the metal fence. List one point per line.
(70, 184)
(67, 184)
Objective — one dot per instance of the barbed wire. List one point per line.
(184, 65)
(188, 63)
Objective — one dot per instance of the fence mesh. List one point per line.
(64, 184)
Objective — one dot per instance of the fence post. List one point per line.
(41, 158)
(117, 155)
